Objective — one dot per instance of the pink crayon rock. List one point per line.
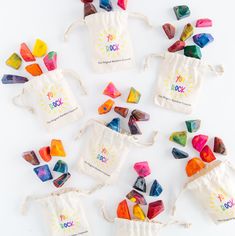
(142, 168)
(204, 22)
(111, 91)
(199, 141)
(50, 61)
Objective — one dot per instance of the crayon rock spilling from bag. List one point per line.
(111, 91)
(196, 164)
(169, 30)
(14, 61)
(46, 153)
(122, 111)
(26, 54)
(181, 11)
(200, 40)
(13, 79)
(106, 5)
(134, 96)
(154, 208)
(34, 69)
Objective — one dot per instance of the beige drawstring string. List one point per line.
(15, 101)
(84, 129)
(75, 24)
(170, 222)
(74, 75)
(136, 141)
(29, 199)
(104, 213)
(141, 17)
(149, 57)
(217, 69)
(177, 198)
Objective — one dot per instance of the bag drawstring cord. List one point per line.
(72, 26)
(74, 75)
(141, 17)
(217, 69)
(149, 57)
(15, 101)
(31, 198)
(138, 143)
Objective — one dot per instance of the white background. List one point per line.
(26, 20)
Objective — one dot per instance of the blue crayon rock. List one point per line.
(178, 154)
(156, 189)
(43, 173)
(61, 167)
(114, 124)
(106, 5)
(203, 39)
(13, 79)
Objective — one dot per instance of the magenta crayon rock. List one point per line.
(199, 141)
(142, 168)
(50, 61)
(111, 91)
(122, 4)
(204, 22)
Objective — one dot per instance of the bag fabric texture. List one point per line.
(125, 227)
(180, 80)
(105, 151)
(51, 98)
(64, 214)
(111, 45)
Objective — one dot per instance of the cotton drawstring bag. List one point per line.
(180, 80)
(64, 213)
(50, 97)
(104, 151)
(214, 188)
(110, 40)
(124, 227)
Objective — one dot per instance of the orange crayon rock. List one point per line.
(123, 210)
(34, 69)
(45, 153)
(194, 166)
(57, 148)
(106, 107)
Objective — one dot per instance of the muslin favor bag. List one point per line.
(214, 188)
(179, 81)
(105, 151)
(64, 213)
(51, 98)
(110, 40)
(134, 227)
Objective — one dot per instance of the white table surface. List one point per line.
(26, 20)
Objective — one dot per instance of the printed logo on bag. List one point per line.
(68, 223)
(111, 44)
(179, 85)
(53, 99)
(223, 203)
(103, 159)
(103, 156)
(65, 222)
